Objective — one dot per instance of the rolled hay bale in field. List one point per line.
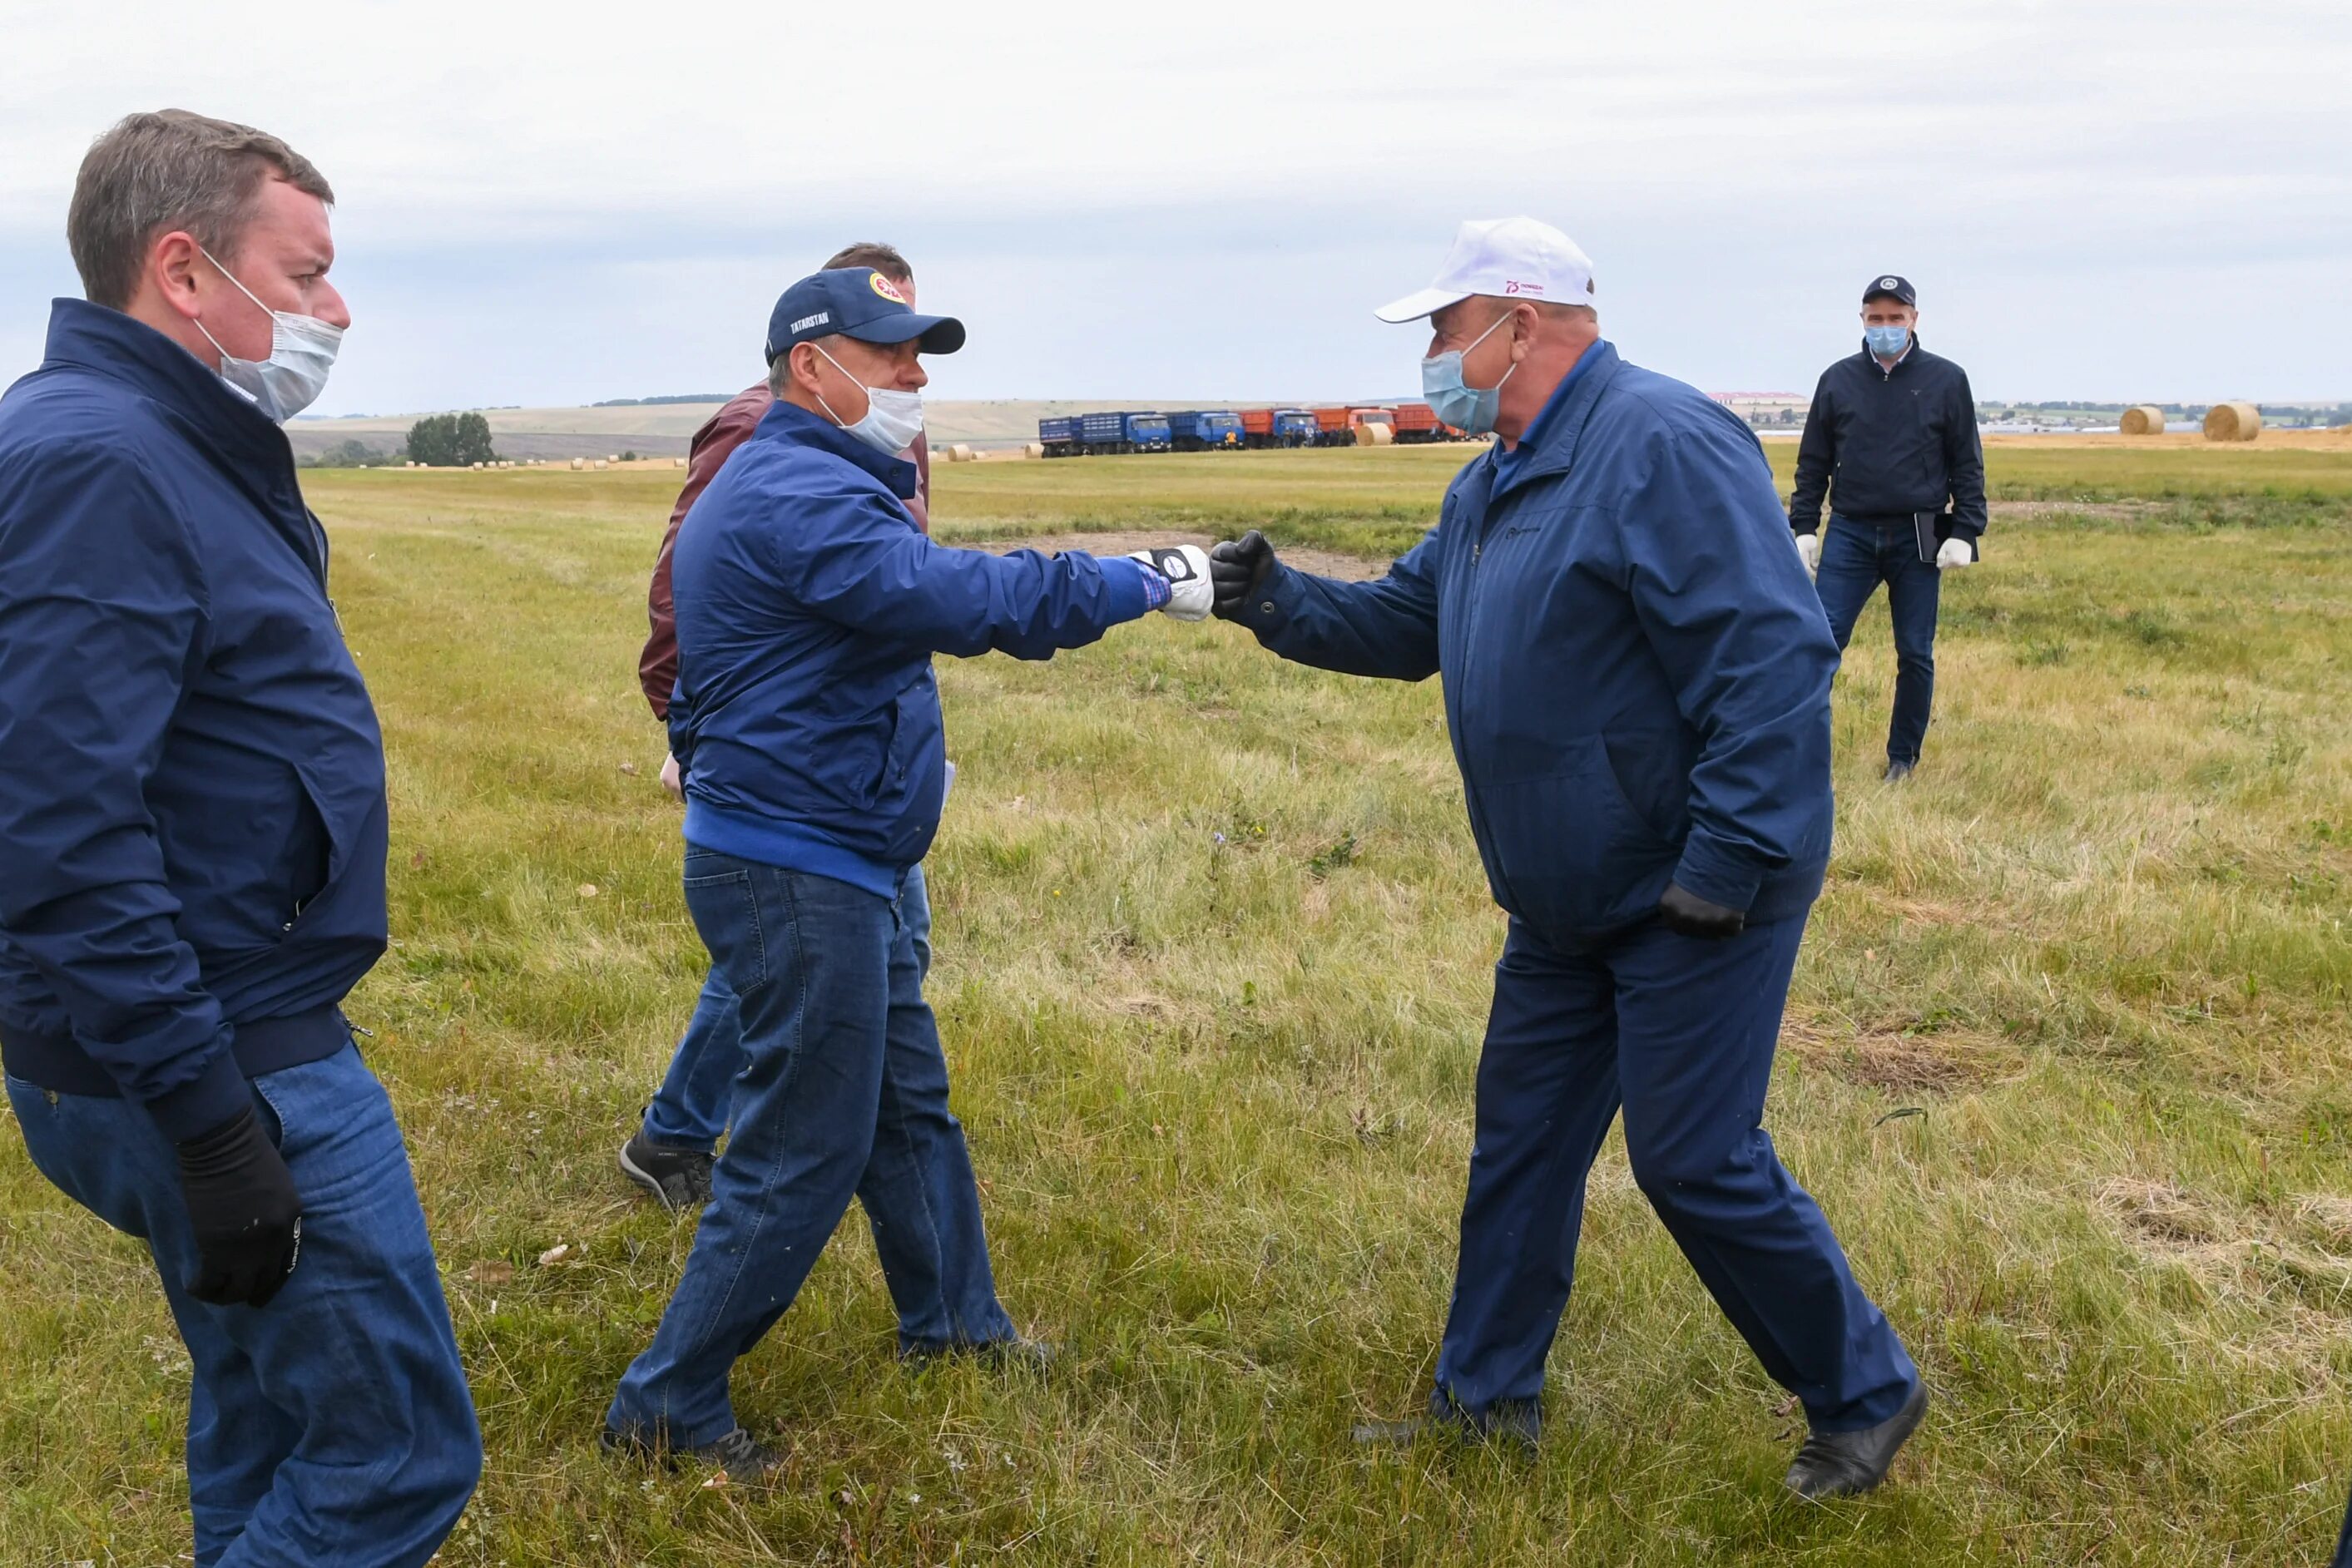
(603, 463)
(578, 463)
(2146, 419)
(678, 462)
(477, 467)
(1037, 449)
(1369, 433)
(959, 453)
(2234, 422)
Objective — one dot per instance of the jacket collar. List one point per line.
(111, 343)
(789, 422)
(1550, 446)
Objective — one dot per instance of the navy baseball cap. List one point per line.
(1893, 287)
(856, 302)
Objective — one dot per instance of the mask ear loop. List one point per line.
(839, 421)
(1482, 337)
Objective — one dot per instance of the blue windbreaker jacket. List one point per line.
(192, 803)
(1637, 671)
(809, 605)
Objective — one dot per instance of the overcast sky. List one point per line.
(558, 204)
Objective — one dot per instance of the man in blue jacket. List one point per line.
(191, 853)
(806, 721)
(1637, 685)
(1891, 439)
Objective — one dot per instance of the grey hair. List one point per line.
(152, 173)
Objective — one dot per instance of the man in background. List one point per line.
(193, 830)
(671, 1152)
(1892, 440)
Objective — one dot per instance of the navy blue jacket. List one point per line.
(191, 803)
(1885, 442)
(1637, 671)
(809, 605)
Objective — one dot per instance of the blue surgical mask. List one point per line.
(1886, 342)
(1455, 402)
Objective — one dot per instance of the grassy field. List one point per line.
(2067, 1064)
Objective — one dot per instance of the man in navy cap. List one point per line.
(1637, 687)
(1892, 440)
(806, 720)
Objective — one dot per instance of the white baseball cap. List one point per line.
(1511, 258)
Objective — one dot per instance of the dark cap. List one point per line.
(856, 302)
(1893, 288)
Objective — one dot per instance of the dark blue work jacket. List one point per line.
(1637, 671)
(192, 792)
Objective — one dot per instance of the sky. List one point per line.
(554, 204)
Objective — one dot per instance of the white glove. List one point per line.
(1955, 552)
(1808, 551)
(1186, 567)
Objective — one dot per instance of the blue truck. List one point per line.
(1206, 432)
(1060, 437)
(1124, 432)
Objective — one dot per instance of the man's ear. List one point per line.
(172, 264)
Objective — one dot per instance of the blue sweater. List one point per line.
(1637, 671)
(809, 606)
(191, 803)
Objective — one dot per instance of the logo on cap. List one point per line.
(886, 289)
(1889, 282)
(1513, 286)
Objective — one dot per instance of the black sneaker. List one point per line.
(1897, 771)
(997, 1354)
(739, 1454)
(679, 1178)
(1847, 1464)
(1517, 1421)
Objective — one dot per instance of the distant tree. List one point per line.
(450, 441)
(473, 435)
(629, 456)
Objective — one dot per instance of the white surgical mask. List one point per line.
(893, 419)
(302, 351)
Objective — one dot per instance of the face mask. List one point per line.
(1886, 342)
(893, 419)
(1463, 406)
(302, 351)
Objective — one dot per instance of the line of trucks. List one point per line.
(1237, 430)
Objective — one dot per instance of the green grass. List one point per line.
(1213, 951)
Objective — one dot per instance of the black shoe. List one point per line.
(1897, 771)
(1518, 1421)
(739, 1454)
(1846, 1464)
(679, 1177)
(1015, 1354)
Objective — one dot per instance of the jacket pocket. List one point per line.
(1568, 852)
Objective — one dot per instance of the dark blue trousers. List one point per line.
(1680, 1032)
(843, 1093)
(1856, 559)
(333, 1425)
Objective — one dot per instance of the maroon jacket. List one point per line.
(713, 443)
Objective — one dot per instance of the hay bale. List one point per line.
(678, 462)
(1035, 449)
(959, 453)
(2234, 422)
(2146, 419)
(578, 463)
(1374, 434)
(603, 463)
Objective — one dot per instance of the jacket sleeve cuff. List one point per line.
(1268, 610)
(204, 1101)
(1963, 529)
(1804, 526)
(1717, 874)
(1129, 600)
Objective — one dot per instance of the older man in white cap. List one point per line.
(1637, 680)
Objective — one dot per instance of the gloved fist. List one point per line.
(1239, 568)
(1954, 551)
(1186, 567)
(1808, 551)
(1690, 915)
(247, 1217)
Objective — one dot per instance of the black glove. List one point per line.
(1690, 915)
(248, 1218)
(1238, 569)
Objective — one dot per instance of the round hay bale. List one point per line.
(603, 463)
(2146, 419)
(1035, 449)
(1370, 434)
(678, 462)
(959, 453)
(2234, 422)
(578, 463)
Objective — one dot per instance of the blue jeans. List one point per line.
(843, 1093)
(333, 1425)
(691, 1109)
(1856, 559)
(1678, 1031)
